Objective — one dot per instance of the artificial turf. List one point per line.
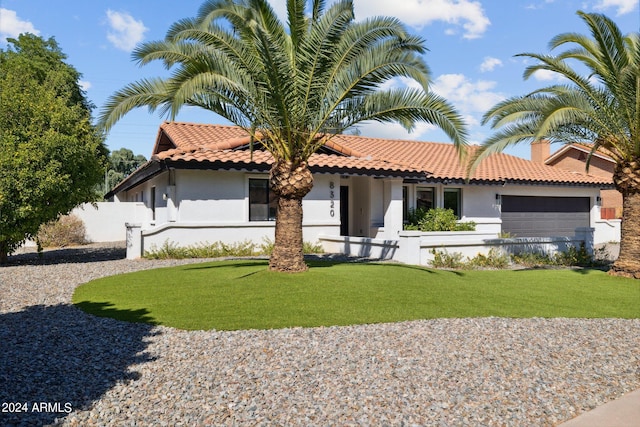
(232, 295)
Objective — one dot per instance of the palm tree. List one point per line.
(290, 88)
(600, 107)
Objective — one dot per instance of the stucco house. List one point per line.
(573, 158)
(203, 183)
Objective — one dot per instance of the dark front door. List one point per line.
(344, 210)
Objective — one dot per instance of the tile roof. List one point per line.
(442, 161)
(222, 145)
(585, 148)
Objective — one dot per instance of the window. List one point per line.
(425, 198)
(452, 200)
(262, 201)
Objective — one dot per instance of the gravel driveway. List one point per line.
(59, 365)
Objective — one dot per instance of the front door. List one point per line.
(344, 210)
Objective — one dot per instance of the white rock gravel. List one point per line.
(448, 372)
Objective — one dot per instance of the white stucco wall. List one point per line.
(195, 206)
(105, 222)
(213, 206)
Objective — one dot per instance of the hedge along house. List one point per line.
(204, 183)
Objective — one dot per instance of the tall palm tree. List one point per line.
(600, 106)
(288, 86)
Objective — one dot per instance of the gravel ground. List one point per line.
(74, 369)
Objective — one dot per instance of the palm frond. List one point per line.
(600, 107)
(150, 93)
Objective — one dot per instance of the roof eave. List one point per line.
(147, 171)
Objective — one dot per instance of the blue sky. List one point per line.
(471, 49)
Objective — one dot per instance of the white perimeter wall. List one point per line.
(105, 221)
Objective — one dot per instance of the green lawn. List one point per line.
(234, 295)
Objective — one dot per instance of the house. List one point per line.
(204, 183)
(573, 158)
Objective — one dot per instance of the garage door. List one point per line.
(527, 216)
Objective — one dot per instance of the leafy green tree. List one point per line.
(291, 87)
(600, 105)
(51, 156)
(122, 163)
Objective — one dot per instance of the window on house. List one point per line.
(262, 201)
(452, 200)
(425, 198)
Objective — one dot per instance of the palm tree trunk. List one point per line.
(290, 181)
(287, 252)
(628, 263)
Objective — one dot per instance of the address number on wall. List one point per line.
(332, 199)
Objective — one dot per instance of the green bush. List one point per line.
(575, 257)
(444, 259)
(171, 250)
(572, 257)
(455, 260)
(438, 219)
(494, 259)
(531, 259)
(68, 230)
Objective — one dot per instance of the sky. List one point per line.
(471, 50)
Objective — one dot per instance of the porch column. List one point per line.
(392, 208)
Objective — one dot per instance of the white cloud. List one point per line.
(489, 64)
(624, 6)
(125, 32)
(471, 98)
(12, 26)
(548, 76)
(395, 131)
(84, 85)
(467, 14)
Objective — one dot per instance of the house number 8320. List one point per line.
(332, 199)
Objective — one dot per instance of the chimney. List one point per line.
(540, 151)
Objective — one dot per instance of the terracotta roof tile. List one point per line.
(443, 162)
(436, 161)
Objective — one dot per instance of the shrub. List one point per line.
(575, 257)
(572, 257)
(455, 260)
(444, 259)
(68, 230)
(531, 259)
(171, 250)
(438, 219)
(494, 259)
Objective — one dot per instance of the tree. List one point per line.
(122, 163)
(600, 106)
(51, 156)
(290, 88)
